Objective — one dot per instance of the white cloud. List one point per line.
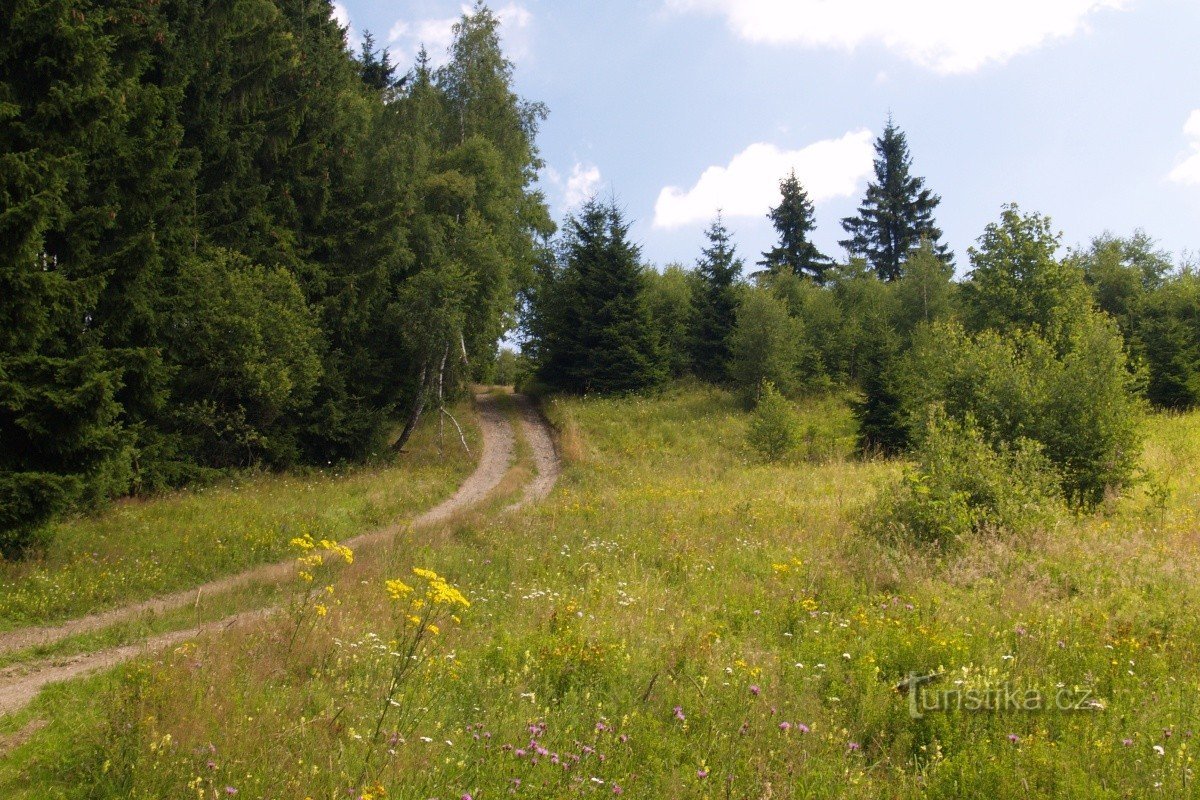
(437, 34)
(1188, 170)
(582, 184)
(749, 186)
(578, 187)
(948, 36)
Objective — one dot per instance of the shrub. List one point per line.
(1080, 405)
(773, 432)
(961, 484)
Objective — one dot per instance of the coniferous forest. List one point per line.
(227, 241)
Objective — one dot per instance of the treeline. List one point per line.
(1040, 356)
(226, 241)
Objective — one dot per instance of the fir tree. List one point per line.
(375, 65)
(897, 212)
(715, 303)
(794, 222)
(592, 322)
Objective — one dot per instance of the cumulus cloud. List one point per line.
(749, 185)
(437, 33)
(948, 36)
(582, 184)
(578, 187)
(1188, 170)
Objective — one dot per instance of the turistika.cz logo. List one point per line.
(926, 696)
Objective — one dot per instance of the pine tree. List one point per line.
(897, 212)
(592, 325)
(794, 222)
(715, 303)
(375, 65)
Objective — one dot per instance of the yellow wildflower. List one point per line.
(397, 588)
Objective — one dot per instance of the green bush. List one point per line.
(961, 484)
(773, 431)
(1079, 404)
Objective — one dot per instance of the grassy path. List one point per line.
(20, 682)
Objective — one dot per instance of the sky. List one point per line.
(1087, 111)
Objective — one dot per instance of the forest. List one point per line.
(228, 242)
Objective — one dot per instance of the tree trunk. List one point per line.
(415, 414)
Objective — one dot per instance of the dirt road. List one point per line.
(20, 683)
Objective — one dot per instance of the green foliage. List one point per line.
(150, 153)
(1017, 282)
(714, 304)
(768, 345)
(1080, 406)
(794, 222)
(669, 295)
(1123, 274)
(896, 214)
(773, 428)
(248, 350)
(591, 320)
(925, 291)
(1168, 337)
(962, 484)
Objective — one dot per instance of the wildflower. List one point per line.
(397, 588)
(617, 789)
(1012, 737)
(754, 690)
(802, 728)
(854, 746)
(679, 714)
(785, 726)
(1127, 742)
(702, 773)
(434, 629)
(321, 609)
(229, 790)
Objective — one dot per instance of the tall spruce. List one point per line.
(794, 222)
(714, 306)
(591, 322)
(896, 213)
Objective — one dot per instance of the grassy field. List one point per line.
(142, 548)
(679, 620)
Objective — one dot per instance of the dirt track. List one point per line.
(20, 683)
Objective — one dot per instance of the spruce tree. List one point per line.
(714, 306)
(375, 65)
(794, 222)
(896, 213)
(592, 325)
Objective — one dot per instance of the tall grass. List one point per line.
(141, 548)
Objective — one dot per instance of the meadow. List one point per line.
(141, 548)
(680, 619)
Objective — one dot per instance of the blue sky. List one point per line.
(1085, 110)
